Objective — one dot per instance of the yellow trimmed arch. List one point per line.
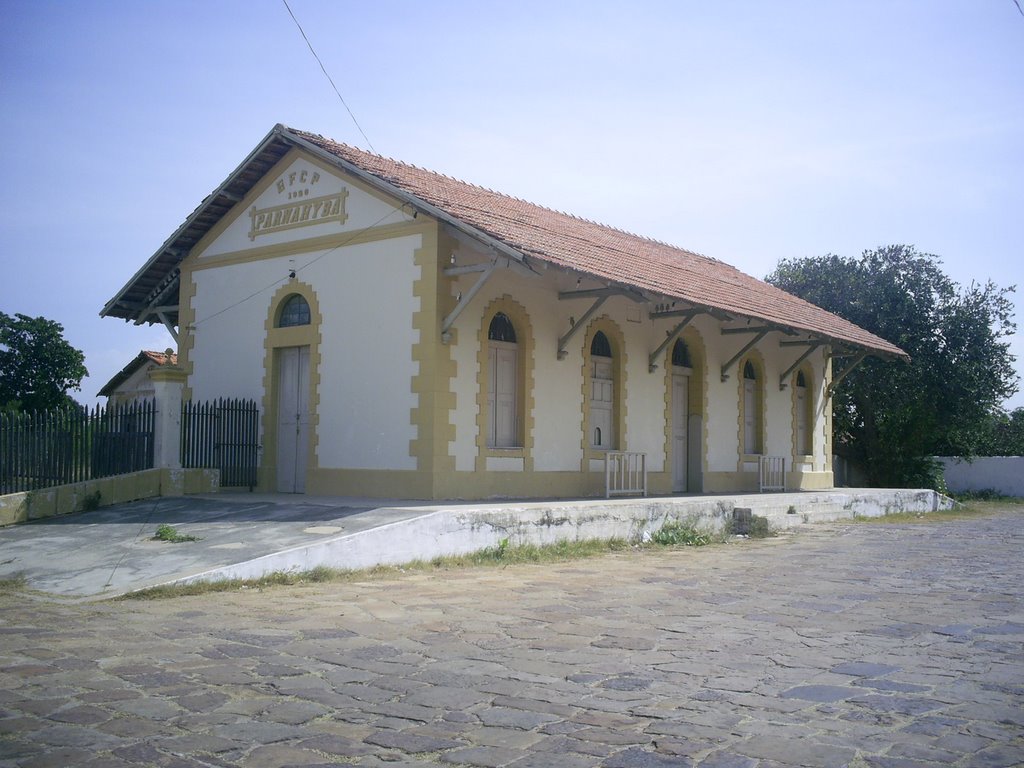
(617, 342)
(751, 441)
(696, 394)
(276, 338)
(520, 320)
(803, 412)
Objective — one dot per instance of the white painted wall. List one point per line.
(366, 301)
(723, 414)
(645, 391)
(558, 415)
(1004, 474)
(557, 402)
(136, 387)
(367, 368)
(228, 328)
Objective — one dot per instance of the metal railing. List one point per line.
(772, 473)
(222, 434)
(69, 445)
(625, 473)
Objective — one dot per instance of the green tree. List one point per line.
(891, 418)
(37, 365)
(1004, 434)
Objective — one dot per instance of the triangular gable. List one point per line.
(300, 198)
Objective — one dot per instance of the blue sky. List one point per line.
(744, 130)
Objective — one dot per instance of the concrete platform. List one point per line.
(101, 554)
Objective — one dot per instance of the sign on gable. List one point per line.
(300, 210)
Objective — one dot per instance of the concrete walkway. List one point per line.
(862, 645)
(109, 552)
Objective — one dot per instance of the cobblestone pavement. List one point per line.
(888, 645)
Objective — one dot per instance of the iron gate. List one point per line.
(222, 434)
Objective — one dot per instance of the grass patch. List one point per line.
(961, 511)
(503, 554)
(760, 528)
(91, 502)
(683, 533)
(506, 554)
(987, 494)
(11, 584)
(170, 533)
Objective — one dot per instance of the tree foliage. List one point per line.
(1003, 434)
(37, 365)
(889, 417)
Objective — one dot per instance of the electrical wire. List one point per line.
(296, 270)
(329, 78)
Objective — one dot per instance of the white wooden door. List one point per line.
(292, 419)
(680, 420)
(501, 394)
(602, 398)
(749, 417)
(802, 443)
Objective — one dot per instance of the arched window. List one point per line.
(752, 416)
(602, 394)
(502, 383)
(501, 329)
(681, 355)
(295, 311)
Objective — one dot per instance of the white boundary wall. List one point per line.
(1004, 474)
(463, 528)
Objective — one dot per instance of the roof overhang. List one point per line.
(152, 294)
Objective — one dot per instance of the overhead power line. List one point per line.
(328, 76)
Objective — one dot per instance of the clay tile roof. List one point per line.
(145, 356)
(160, 358)
(605, 252)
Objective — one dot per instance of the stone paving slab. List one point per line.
(861, 645)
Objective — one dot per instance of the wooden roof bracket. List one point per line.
(156, 304)
(857, 360)
(485, 270)
(576, 325)
(761, 333)
(813, 344)
(168, 324)
(652, 365)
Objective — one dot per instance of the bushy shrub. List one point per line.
(684, 533)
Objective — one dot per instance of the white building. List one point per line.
(412, 335)
(132, 383)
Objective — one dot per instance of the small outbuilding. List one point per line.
(132, 383)
(411, 335)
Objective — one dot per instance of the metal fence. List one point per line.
(625, 473)
(47, 448)
(222, 434)
(771, 473)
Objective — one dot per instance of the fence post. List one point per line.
(168, 384)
